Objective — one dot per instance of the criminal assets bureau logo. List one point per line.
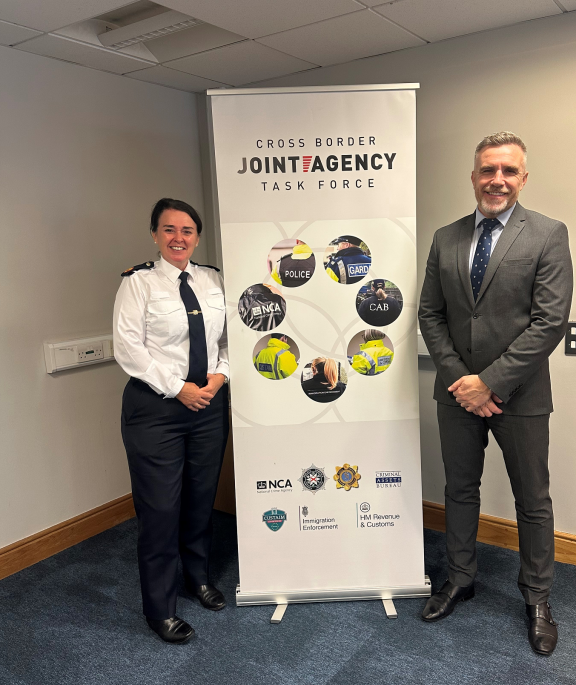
(274, 519)
(313, 479)
(388, 479)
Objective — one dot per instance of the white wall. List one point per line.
(519, 78)
(83, 157)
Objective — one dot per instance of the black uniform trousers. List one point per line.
(524, 444)
(175, 456)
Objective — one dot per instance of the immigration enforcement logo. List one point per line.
(347, 477)
(313, 479)
(274, 519)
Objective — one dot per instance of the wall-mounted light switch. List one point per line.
(571, 338)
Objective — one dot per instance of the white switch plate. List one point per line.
(72, 354)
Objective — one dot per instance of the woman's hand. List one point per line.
(195, 398)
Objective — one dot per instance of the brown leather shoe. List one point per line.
(542, 633)
(173, 630)
(442, 603)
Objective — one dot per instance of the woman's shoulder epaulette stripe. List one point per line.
(208, 266)
(138, 267)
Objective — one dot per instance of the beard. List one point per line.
(495, 206)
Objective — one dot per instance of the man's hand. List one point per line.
(471, 393)
(486, 410)
(195, 398)
(215, 382)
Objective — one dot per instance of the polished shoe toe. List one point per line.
(542, 633)
(210, 597)
(173, 630)
(442, 603)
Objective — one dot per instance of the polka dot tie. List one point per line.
(482, 255)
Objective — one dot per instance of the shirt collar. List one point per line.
(173, 272)
(502, 218)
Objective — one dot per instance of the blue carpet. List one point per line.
(75, 619)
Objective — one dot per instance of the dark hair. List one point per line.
(180, 206)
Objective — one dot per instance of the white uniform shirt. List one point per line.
(496, 232)
(151, 339)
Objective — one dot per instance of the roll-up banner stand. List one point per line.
(317, 205)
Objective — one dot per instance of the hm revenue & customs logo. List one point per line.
(274, 519)
(313, 479)
(347, 477)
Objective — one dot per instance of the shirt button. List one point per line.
(475, 316)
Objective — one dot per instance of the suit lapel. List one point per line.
(511, 231)
(464, 245)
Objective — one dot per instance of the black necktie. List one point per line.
(198, 360)
(482, 255)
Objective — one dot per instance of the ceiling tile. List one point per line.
(47, 15)
(342, 39)
(174, 79)
(12, 33)
(438, 19)
(568, 4)
(261, 17)
(240, 63)
(81, 53)
(190, 41)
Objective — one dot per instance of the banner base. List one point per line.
(335, 595)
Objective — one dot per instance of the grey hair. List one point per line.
(501, 138)
(373, 334)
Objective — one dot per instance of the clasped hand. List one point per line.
(475, 396)
(196, 398)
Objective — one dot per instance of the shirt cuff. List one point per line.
(175, 389)
(223, 368)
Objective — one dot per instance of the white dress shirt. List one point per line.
(496, 232)
(151, 339)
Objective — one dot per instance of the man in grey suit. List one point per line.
(494, 305)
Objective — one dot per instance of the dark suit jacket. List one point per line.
(521, 314)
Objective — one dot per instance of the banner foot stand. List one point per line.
(278, 613)
(389, 608)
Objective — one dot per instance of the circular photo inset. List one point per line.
(276, 356)
(261, 307)
(370, 352)
(324, 379)
(347, 259)
(379, 302)
(291, 262)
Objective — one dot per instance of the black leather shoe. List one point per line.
(173, 629)
(542, 633)
(210, 597)
(442, 603)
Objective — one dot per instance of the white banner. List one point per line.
(317, 209)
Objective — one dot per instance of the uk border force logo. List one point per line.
(274, 519)
(347, 477)
(313, 479)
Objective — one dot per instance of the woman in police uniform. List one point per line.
(170, 337)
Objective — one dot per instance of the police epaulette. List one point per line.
(208, 266)
(138, 267)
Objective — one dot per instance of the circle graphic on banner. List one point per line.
(324, 379)
(370, 352)
(276, 356)
(347, 259)
(291, 263)
(261, 307)
(379, 302)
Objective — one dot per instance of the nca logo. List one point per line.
(266, 309)
(273, 484)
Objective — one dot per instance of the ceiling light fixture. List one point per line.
(147, 29)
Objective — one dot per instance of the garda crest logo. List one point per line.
(347, 477)
(274, 519)
(313, 479)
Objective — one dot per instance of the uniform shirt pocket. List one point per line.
(217, 309)
(162, 316)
